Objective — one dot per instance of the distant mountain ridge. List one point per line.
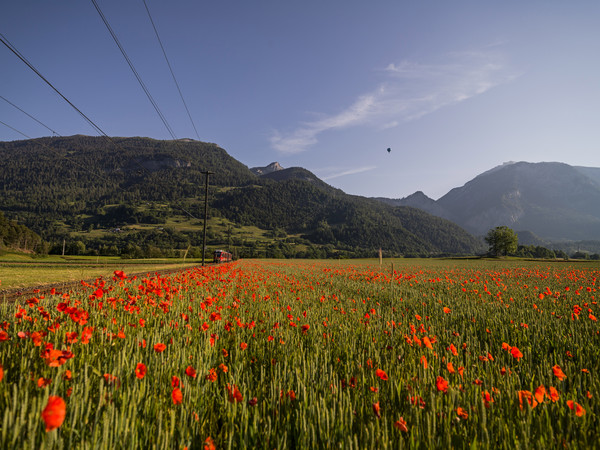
(553, 200)
(298, 173)
(593, 173)
(80, 188)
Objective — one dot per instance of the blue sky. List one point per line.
(453, 88)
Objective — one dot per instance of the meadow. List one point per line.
(26, 272)
(308, 354)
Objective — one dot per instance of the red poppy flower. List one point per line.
(401, 425)
(558, 372)
(120, 274)
(450, 367)
(160, 347)
(209, 444)
(554, 396)
(381, 374)
(462, 413)
(85, 335)
(487, 398)
(190, 372)
(140, 370)
(54, 357)
(441, 384)
(539, 394)
(452, 349)
(428, 342)
(516, 352)
(233, 394)
(527, 397)
(212, 375)
(54, 413)
(176, 396)
(43, 382)
(377, 410)
(579, 411)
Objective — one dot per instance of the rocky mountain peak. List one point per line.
(273, 167)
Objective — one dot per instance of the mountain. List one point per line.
(344, 221)
(298, 173)
(593, 173)
(273, 167)
(418, 200)
(143, 196)
(553, 200)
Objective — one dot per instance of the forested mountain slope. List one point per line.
(82, 188)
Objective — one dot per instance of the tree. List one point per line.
(502, 240)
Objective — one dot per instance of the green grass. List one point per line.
(18, 271)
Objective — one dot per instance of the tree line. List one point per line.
(16, 236)
(503, 241)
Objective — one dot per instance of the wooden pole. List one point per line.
(207, 173)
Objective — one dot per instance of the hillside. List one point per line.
(139, 195)
(14, 236)
(57, 177)
(554, 201)
(348, 222)
(301, 174)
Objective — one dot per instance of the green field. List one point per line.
(309, 354)
(19, 271)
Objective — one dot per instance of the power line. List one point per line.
(14, 129)
(13, 49)
(22, 58)
(95, 175)
(171, 69)
(137, 75)
(29, 115)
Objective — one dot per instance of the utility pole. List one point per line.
(207, 173)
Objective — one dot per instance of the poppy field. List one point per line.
(308, 354)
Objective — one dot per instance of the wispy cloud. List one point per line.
(410, 91)
(348, 172)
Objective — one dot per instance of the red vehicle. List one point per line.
(221, 256)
